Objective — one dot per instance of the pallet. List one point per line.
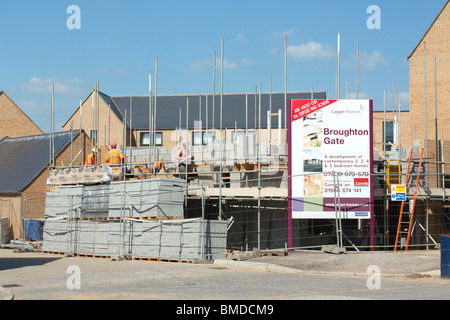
(157, 218)
(159, 259)
(53, 252)
(76, 254)
(273, 252)
(124, 218)
(90, 255)
(108, 256)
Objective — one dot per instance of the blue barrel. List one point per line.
(34, 229)
(445, 256)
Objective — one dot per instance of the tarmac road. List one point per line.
(297, 276)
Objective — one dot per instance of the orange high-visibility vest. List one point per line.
(157, 165)
(91, 161)
(114, 156)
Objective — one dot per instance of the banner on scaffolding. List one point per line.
(330, 145)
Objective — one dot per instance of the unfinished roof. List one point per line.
(233, 109)
(23, 159)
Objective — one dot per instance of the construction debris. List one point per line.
(84, 175)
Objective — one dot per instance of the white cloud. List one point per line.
(311, 50)
(373, 60)
(281, 34)
(273, 51)
(240, 36)
(246, 62)
(403, 98)
(227, 64)
(367, 61)
(44, 86)
(361, 95)
(200, 65)
(207, 63)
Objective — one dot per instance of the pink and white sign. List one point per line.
(330, 141)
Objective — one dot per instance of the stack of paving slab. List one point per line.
(57, 204)
(161, 236)
(164, 239)
(162, 197)
(137, 198)
(178, 239)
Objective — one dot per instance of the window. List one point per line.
(389, 135)
(94, 136)
(197, 138)
(239, 135)
(203, 137)
(144, 138)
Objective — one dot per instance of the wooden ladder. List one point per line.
(406, 218)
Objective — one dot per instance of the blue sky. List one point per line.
(119, 41)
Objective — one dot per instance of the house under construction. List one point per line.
(233, 194)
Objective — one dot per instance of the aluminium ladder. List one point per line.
(406, 218)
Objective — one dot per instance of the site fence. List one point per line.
(261, 221)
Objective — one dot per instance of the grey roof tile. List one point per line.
(23, 159)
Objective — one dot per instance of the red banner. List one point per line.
(301, 108)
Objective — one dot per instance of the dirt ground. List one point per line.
(388, 262)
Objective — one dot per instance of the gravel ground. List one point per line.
(410, 262)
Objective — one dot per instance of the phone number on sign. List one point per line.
(343, 190)
(347, 174)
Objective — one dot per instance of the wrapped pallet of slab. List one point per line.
(55, 235)
(171, 235)
(150, 197)
(119, 235)
(165, 239)
(144, 238)
(214, 239)
(82, 236)
(95, 201)
(4, 230)
(178, 239)
(94, 238)
(57, 203)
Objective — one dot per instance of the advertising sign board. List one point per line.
(330, 141)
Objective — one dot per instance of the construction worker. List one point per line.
(92, 158)
(182, 156)
(157, 166)
(114, 156)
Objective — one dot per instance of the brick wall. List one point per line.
(405, 129)
(13, 122)
(112, 128)
(437, 42)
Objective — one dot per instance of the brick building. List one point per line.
(24, 170)
(429, 86)
(430, 60)
(120, 117)
(13, 121)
